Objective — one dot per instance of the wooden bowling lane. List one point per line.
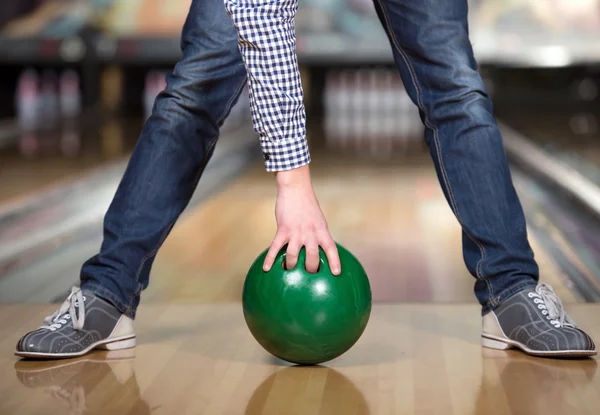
(392, 216)
(201, 359)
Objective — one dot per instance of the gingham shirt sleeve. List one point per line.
(267, 41)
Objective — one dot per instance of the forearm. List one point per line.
(267, 42)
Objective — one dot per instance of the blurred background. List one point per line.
(79, 78)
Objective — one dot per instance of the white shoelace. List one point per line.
(551, 306)
(76, 312)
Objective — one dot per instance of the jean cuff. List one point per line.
(109, 296)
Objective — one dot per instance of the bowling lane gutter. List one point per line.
(568, 199)
(569, 180)
(49, 221)
(563, 231)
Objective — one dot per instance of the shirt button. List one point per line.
(267, 156)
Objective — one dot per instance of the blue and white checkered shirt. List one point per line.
(267, 41)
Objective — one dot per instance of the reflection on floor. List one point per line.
(195, 359)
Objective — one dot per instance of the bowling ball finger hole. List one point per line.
(285, 267)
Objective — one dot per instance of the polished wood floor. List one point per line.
(201, 359)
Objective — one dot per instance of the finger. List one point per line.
(278, 242)
(291, 255)
(333, 256)
(312, 256)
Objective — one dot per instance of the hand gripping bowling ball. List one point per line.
(306, 318)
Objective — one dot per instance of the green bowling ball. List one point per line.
(306, 318)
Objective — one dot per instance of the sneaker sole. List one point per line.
(499, 343)
(120, 343)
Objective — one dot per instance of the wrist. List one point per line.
(295, 178)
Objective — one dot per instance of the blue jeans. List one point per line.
(433, 53)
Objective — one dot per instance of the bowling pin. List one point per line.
(389, 111)
(360, 91)
(70, 105)
(385, 115)
(49, 99)
(27, 107)
(27, 98)
(332, 89)
(405, 115)
(344, 107)
(353, 109)
(417, 126)
(374, 113)
(368, 91)
(70, 95)
(398, 119)
(373, 110)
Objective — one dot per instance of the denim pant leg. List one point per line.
(432, 51)
(174, 147)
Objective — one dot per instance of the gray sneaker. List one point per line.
(84, 322)
(535, 322)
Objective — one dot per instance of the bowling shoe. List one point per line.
(534, 321)
(84, 322)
